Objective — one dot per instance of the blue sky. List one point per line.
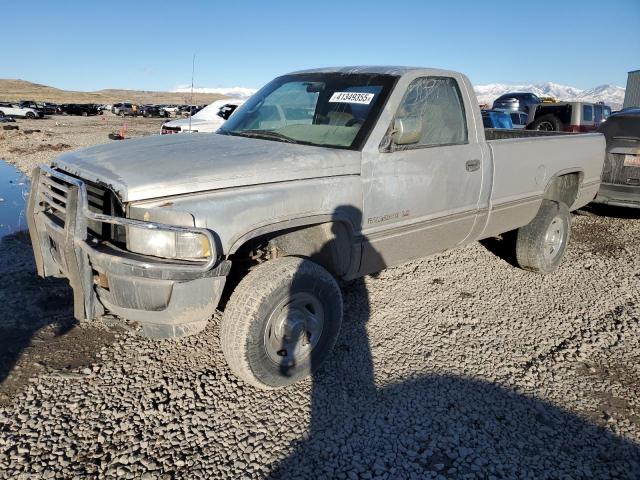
(89, 45)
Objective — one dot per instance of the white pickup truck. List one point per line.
(322, 175)
(207, 120)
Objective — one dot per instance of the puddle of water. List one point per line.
(14, 189)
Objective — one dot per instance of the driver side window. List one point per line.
(436, 104)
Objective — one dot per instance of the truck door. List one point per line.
(422, 196)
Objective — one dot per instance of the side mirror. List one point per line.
(407, 130)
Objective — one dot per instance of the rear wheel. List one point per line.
(547, 123)
(541, 244)
(281, 322)
(85, 114)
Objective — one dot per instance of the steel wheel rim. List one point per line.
(294, 329)
(553, 238)
(546, 127)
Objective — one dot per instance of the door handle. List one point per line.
(472, 165)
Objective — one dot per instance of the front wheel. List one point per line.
(281, 322)
(30, 115)
(542, 243)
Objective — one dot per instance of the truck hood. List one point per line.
(164, 165)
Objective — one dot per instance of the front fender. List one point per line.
(238, 215)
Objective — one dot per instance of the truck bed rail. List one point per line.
(505, 134)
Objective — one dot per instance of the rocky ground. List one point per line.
(454, 366)
(41, 140)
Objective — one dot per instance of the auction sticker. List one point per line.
(352, 97)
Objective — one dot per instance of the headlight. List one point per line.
(168, 244)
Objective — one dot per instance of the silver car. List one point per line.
(516, 101)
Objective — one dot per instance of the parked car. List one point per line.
(621, 173)
(516, 101)
(125, 109)
(50, 108)
(169, 110)
(323, 175)
(189, 110)
(83, 109)
(519, 119)
(38, 107)
(568, 117)
(9, 109)
(209, 119)
(149, 111)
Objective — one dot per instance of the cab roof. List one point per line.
(396, 70)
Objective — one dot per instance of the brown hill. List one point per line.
(12, 90)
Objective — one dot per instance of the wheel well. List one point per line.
(328, 244)
(564, 188)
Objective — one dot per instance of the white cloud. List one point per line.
(239, 92)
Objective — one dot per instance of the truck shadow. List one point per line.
(600, 210)
(503, 246)
(37, 327)
(438, 424)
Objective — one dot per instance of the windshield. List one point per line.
(325, 109)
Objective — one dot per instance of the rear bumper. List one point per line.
(168, 299)
(619, 195)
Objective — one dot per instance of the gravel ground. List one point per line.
(58, 133)
(454, 366)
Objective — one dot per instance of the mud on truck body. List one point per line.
(322, 176)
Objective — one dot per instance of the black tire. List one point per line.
(29, 115)
(122, 114)
(85, 114)
(542, 243)
(249, 329)
(547, 123)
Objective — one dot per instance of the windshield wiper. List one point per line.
(266, 134)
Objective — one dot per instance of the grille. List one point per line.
(54, 192)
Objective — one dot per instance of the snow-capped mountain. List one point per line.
(611, 95)
(237, 92)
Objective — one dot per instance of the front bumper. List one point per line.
(619, 195)
(168, 298)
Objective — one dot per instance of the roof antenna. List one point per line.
(193, 69)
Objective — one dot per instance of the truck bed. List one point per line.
(523, 165)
